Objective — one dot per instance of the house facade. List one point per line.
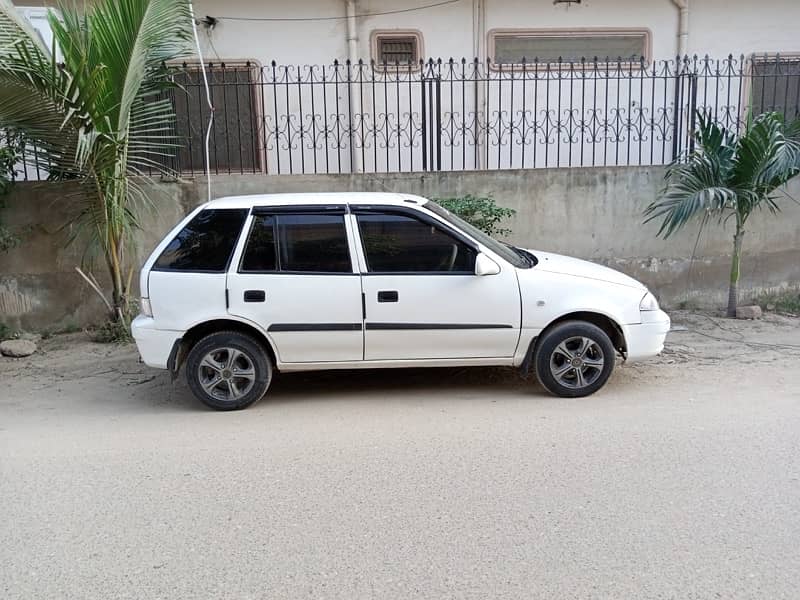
(330, 86)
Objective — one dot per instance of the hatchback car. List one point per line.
(247, 286)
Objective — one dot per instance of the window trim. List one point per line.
(424, 218)
(320, 210)
(573, 32)
(416, 65)
(256, 93)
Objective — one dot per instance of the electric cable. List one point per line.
(373, 14)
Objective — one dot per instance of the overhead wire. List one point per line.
(341, 18)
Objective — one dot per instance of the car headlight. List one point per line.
(648, 303)
(145, 308)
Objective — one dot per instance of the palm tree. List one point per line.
(729, 177)
(95, 109)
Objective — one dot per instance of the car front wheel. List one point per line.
(574, 359)
(228, 370)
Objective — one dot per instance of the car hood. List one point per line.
(566, 265)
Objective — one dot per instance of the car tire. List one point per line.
(574, 359)
(228, 370)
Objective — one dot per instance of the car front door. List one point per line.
(422, 298)
(295, 277)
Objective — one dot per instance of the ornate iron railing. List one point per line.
(466, 115)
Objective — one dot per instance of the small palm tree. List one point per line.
(729, 177)
(94, 108)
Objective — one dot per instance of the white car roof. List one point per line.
(315, 198)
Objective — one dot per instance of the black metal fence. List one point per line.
(466, 115)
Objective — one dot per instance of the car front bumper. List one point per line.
(155, 345)
(646, 339)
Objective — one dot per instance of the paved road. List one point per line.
(680, 480)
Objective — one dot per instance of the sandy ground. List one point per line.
(679, 480)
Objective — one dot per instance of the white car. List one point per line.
(245, 286)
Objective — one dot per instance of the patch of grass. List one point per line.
(112, 332)
(783, 302)
(67, 327)
(6, 333)
(689, 304)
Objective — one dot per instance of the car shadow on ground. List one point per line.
(372, 381)
(364, 384)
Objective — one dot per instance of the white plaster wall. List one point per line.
(717, 27)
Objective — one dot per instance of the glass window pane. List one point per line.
(511, 49)
(401, 244)
(313, 243)
(206, 243)
(260, 253)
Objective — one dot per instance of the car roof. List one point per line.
(249, 201)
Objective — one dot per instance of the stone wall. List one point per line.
(590, 213)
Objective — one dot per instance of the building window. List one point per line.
(234, 146)
(776, 84)
(397, 48)
(513, 47)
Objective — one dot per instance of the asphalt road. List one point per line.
(680, 480)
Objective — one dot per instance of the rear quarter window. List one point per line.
(205, 243)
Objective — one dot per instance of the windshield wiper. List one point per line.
(530, 259)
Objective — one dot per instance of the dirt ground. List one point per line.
(701, 344)
(678, 480)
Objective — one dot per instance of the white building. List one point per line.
(532, 83)
(321, 31)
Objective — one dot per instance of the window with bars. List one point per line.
(775, 84)
(396, 48)
(234, 145)
(512, 47)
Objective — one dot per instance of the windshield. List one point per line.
(521, 259)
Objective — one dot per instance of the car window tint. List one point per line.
(399, 243)
(260, 253)
(313, 243)
(206, 243)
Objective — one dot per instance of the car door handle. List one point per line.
(388, 296)
(255, 296)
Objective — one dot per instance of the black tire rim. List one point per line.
(577, 362)
(226, 374)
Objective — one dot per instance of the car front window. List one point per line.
(516, 256)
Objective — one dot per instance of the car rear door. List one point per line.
(423, 299)
(294, 275)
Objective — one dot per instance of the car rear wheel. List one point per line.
(228, 370)
(574, 359)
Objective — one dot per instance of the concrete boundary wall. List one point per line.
(592, 213)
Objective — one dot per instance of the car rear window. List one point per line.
(206, 243)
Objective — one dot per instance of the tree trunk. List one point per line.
(119, 294)
(733, 290)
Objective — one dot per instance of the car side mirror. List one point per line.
(485, 266)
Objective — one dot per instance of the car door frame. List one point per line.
(271, 333)
(433, 220)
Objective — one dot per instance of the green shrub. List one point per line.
(783, 302)
(6, 333)
(112, 332)
(480, 211)
(9, 156)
